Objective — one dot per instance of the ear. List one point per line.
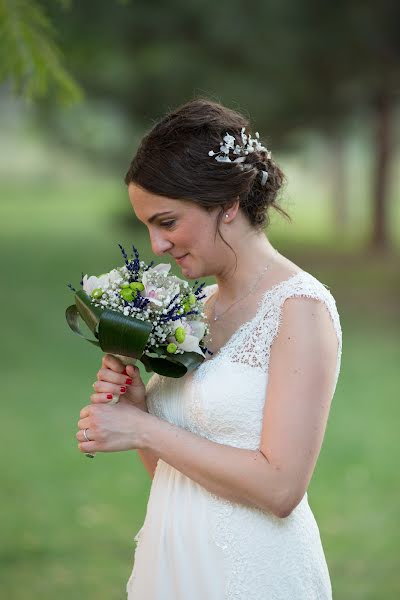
(232, 207)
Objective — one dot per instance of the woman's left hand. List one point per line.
(111, 427)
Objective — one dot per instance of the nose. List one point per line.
(159, 244)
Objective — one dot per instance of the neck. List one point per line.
(254, 253)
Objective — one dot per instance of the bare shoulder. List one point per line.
(306, 322)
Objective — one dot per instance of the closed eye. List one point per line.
(168, 224)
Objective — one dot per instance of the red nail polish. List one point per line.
(123, 389)
(109, 396)
(128, 381)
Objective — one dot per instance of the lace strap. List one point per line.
(304, 285)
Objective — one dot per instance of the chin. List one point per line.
(198, 274)
(188, 272)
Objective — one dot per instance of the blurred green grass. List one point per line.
(68, 522)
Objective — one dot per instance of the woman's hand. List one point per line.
(113, 377)
(112, 427)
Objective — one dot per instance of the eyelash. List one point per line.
(168, 224)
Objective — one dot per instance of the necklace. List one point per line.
(253, 287)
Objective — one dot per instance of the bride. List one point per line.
(231, 447)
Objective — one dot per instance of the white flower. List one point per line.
(160, 268)
(229, 140)
(248, 146)
(91, 283)
(194, 333)
(157, 291)
(114, 275)
(154, 294)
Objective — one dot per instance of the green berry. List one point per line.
(125, 285)
(97, 293)
(180, 334)
(186, 307)
(172, 348)
(127, 294)
(137, 285)
(192, 299)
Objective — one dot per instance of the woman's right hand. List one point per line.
(112, 376)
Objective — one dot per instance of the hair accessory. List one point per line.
(248, 145)
(242, 151)
(264, 177)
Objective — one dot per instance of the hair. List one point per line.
(173, 161)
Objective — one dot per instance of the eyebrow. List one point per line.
(167, 212)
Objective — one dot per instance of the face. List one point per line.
(180, 229)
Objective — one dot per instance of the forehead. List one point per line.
(146, 204)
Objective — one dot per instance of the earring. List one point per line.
(227, 216)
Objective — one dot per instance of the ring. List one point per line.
(115, 399)
(85, 434)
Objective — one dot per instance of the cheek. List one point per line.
(200, 232)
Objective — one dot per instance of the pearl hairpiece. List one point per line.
(249, 145)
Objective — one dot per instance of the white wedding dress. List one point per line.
(195, 545)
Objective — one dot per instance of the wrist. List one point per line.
(150, 425)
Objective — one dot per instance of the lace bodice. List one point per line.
(251, 343)
(233, 382)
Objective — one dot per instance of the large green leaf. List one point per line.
(120, 334)
(72, 315)
(174, 365)
(89, 312)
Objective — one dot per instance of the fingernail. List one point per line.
(109, 396)
(123, 389)
(128, 381)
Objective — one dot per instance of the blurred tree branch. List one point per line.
(29, 56)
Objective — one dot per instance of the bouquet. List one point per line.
(140, 312)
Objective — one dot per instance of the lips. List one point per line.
(181, 257)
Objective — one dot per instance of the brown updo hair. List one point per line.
(173, 161)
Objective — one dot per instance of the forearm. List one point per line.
(239, 475)
(149, 460)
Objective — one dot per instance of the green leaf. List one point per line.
(89, 312)
(120, 334)
(173, 365)
(72, 315)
